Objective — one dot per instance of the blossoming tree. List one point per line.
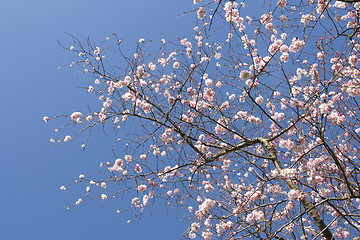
(251, 125)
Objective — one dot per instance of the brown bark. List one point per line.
(304, 201)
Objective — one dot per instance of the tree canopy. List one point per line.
(251, 125)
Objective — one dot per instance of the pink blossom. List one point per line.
(245, 74)
(281, 116)
(284, 57)
(76, 115)
(225, 105)
(192, 235)
(138, 168)
(128, 158)
(296, 44)
(232, 13)
(336, 118)
(67, 138)
(208, 82)
(194, 227)
(190, 208)
(269, 26)
(266, 18)
(294, 194)
(259, 100)
(325, 107)
(305, 19)
(117, 165)
(255, 215)
(219, 129)
(284, 49)
(143, 83)
(249, 82)
(254, 120)
(46, 119)
(176, 65)
(353, 60)
(205, 207)
(281, 3)
(289, 172)
(206, 235)
(201, 13)
(141, 188)
(283, 18)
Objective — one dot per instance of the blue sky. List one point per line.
(32, 206)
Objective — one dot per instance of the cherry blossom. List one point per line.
(249, 124)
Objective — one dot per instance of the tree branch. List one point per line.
(304, 201)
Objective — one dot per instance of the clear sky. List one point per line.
(33, 169)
